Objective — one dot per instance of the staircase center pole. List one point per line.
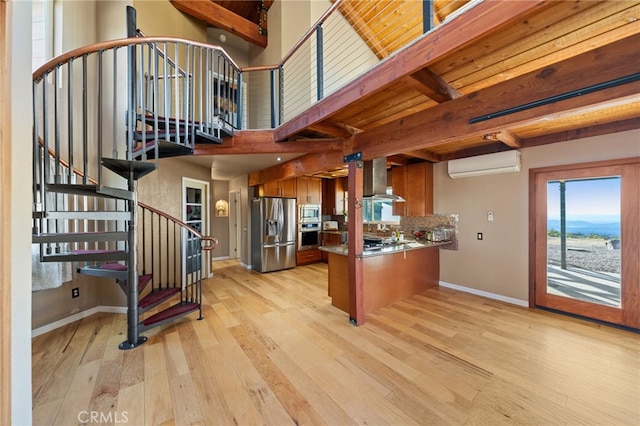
(133, 336)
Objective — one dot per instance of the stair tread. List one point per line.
(125, 167)
(86, 255)
(114, 266)
(180, 309)
(143, 279)
(91, 190)
(157, 296)
(83, 251)
(165, 149)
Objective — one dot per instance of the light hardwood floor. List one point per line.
(272, 350)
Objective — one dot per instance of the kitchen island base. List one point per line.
(387, 279)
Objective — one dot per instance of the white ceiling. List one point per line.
(228, 167)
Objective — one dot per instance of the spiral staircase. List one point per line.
(103, 115)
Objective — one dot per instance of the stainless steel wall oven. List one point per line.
(308, 236)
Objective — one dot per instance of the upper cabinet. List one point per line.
(333, 197)
(414, 183)
(278, 188)
(309, 190)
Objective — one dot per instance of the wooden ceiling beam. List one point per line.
(487, 17)
(303, 165)
(219, 17)
(261, 142)
(423, 154)
(505, 136)
(508, 138)
(432, 85)
(585, 132)
(450, 121)
(334, 129)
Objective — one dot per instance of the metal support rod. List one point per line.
(281, 91)
(319, 63)
(427, 16)
(272, 77)
(240, 104)
(133, 336)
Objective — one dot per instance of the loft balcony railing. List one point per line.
(349, 39)
(193, 92)
(117, 99)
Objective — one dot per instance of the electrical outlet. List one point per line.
(490, 216)
(75, 292)
(479, 235)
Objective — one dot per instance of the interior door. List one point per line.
(585, 256)
(195, 214)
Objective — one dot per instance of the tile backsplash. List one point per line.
(408, 224)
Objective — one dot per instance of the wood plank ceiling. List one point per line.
(492, 57)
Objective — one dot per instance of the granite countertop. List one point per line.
(387, 249)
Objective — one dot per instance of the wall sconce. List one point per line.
(222, 208)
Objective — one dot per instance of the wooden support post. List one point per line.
(354, 258)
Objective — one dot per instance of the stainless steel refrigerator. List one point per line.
(273, 234)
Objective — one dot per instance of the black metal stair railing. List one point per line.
(131, 99)
(101, 107)
(173, 254)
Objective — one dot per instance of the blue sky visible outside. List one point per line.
(593, 200)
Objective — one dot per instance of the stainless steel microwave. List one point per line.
(309, 213)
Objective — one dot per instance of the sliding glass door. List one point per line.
(585, 228)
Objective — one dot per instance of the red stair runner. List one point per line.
(143, 280)
(157, 296)
(174, 311)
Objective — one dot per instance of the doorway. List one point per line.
(195, 213)
(585, 258)
(235, 221)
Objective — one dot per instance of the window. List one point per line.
(41, 32)
(379, 211)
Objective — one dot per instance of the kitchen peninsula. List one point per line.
(391, 272)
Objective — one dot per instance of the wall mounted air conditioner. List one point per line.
(500, 162)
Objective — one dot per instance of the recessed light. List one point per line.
(279, 158)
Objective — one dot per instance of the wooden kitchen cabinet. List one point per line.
(330, 239)
(304, 257)
(278, 188)
(333, 196)
(414, 183)
(309, 190)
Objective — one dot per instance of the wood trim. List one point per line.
(5, 219)
(629, 168)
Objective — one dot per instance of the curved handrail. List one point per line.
(176, 221)
(198, 234)
(122, 42)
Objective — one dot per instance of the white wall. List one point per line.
(21, 122)
(499, 263)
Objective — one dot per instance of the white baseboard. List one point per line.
(486, 294)
(221, 258)
(75, 317)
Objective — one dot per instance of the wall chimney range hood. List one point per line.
(375, 180)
